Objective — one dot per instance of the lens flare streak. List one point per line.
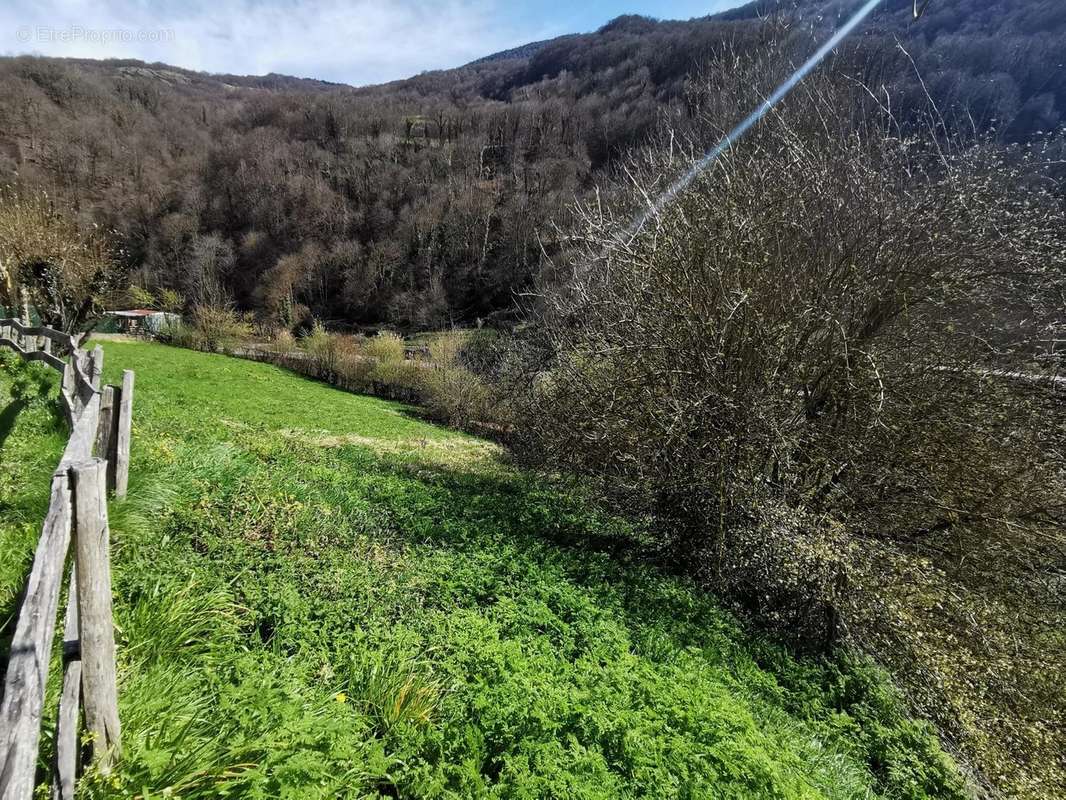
(752, 119)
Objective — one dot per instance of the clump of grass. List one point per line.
(392, 691)
(173, 624)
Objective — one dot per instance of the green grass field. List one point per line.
(319, 595)
(32, 437)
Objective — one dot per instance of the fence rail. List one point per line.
(95, 460)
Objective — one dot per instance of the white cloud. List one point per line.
(359, 41)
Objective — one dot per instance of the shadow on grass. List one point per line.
(7, 419)
(549, 523)
(529, 507)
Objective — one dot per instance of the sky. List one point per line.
(348, 41)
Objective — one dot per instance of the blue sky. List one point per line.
(351, 41)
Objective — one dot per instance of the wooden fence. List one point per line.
(96, 459)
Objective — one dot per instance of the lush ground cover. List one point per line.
(319, 595)
(32, 437)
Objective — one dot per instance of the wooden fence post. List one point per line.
(27, 668)
(99, 680)
(69, 394)
(68, 378)
(67, 746)
(69, 390)
(123, 434)
(107, 431)
(96, 366)
(25, 297)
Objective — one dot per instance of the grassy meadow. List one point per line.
(319, 595)
(32, 438)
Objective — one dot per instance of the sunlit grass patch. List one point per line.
(458, 451)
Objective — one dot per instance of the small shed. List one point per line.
(142, 321)
(131, 321)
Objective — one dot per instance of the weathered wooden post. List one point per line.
(123, 434)
(107, 431)
(99, 679)
(67, 386)
(27, 668)
(46, 344)
(69, 394)
(67, 748)
(96, 366)
(25, 296)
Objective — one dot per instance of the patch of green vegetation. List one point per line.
(319, 595)
(32, 438)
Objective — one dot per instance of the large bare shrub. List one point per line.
(816, 336)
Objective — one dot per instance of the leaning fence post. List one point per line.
(67, 748)
(123, 434)
(107, 431)
(71, 392)
(69, 397)
(96, 366)
(99, 680)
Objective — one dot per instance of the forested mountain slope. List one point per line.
(993, 64)
(432, 200)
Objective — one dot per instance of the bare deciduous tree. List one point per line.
(48, 260)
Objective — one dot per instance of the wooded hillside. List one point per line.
(434, 200)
